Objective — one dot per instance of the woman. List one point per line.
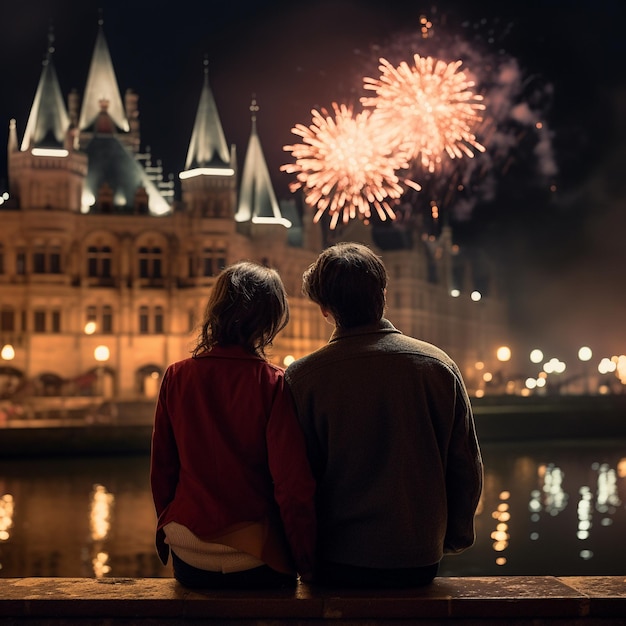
(230, 479)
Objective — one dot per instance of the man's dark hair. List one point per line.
(349, 281)
(247, 307)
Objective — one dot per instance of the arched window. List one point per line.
(150, 262)
(99, 261)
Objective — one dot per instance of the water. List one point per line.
(547, 509)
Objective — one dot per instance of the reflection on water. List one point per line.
(547, 509)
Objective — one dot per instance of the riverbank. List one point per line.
(125, 427)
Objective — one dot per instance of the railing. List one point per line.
(536, 601)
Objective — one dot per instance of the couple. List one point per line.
(377, 477)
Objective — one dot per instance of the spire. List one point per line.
(12, 145)
(208, 147)
(48, 121)
(257, 200)
(102, 87)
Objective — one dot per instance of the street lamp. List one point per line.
(8, 352)
(585, 354)
(503, 354)
(101, 354)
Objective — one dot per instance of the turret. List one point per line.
(209, 181)
(46, 172)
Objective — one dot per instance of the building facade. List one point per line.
(104, 273)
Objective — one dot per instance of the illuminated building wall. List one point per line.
(91, 232)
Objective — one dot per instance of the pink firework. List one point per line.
(429, 108)
(346, 164)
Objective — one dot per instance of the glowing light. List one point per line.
(100, 518)
(606, 366)
(621, 368)
(455, 293)
(101, 354)
(282, 221)
(585, 353)
(6, 516)
(50, 152)
(536, 356)
(430, 108)
(100, 567)
(554, 366)
(90, 328)
(503, 353)
(531, 383)
(8, 352)
(476, 296)
(207, 171)
(288, 360)
(346, 164)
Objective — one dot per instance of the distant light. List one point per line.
(621, 368)
(606, 366)
(207, 171)
(50, 152)
(479, 393)
(476, 296)
(531, 383)
(119, 199)
(288, 360)
(503, 353)
(87, 201)
(272, 220)
(455, 293)
(536, 356)
(5, 196)
(554, 366)
(585, 353)
(90, 328)
(487, 377)
(479, 365)
(8, 352)
(541, 381)
(101, 354)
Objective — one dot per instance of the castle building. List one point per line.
(104, 274)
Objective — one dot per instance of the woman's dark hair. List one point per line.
(349, 281)
(247, 307)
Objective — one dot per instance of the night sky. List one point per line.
(561, 253)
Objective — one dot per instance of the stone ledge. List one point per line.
(504, 600)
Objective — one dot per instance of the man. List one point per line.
(390, 435)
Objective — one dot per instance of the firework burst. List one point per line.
(430, 105)
(346, 164)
